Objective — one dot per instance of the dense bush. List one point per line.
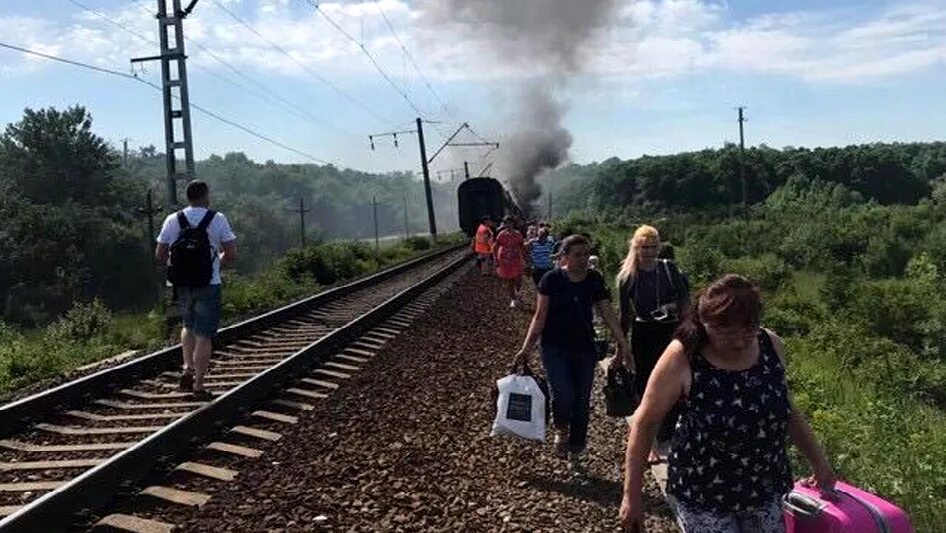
(768, 271)
(417, 243)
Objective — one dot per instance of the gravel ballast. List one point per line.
(403, 445)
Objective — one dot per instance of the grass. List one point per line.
(90, 333)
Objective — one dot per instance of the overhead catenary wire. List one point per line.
(302, 65)
(276, 100)
(193, 105)
(410, 57)
(368, 54)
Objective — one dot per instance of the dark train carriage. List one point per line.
(477, 198)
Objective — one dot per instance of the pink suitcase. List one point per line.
(854, 511)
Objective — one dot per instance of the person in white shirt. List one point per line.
(199, 302)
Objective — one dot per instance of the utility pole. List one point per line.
(171, 33)
(125, 155)
(374, 211)
(466, 169)
(742, 165)
(424, 162)
(407, 231)
(149, 210)
(550, 207)
(427, 192)
(302, 210)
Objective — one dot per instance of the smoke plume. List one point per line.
(551, 39)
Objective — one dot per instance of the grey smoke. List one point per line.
(541, 143)
(550, 36)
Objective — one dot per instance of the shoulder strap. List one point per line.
(205, 222)
(182, 221)
(666, 263)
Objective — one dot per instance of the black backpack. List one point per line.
(192, 258)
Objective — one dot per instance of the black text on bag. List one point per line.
(191, 263)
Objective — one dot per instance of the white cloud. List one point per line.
(649, 39)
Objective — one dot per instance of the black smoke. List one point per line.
(552, 40)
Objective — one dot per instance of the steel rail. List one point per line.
(96, 487)
(15, 415)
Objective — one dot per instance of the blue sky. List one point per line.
(664, 77)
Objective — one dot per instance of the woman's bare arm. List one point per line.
(668, 382)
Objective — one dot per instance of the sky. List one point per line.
(663, 76)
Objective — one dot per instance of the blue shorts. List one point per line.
(200, 309)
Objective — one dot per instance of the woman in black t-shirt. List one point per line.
(653, 295)
(563, 318)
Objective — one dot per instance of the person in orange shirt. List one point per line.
(483, 245)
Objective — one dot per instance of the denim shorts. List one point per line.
(200, 309)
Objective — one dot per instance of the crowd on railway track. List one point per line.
(707, 388)
(713, 401)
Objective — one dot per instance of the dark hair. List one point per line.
(731, 300)
(197, 190)
(573, 240)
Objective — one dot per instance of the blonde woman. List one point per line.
(653, 296)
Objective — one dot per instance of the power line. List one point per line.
(286, 53)
(156, 87)
(411, 58)
(371, 58)
(286, 105)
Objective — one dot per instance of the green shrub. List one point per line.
(893, 308)
(417, 243)
(701, 263)
(768, 271)
(81, 323)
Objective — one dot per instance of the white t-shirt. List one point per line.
(218, 231)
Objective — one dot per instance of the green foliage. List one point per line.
(327, 263)
(768, 271)
(72, 231)
(90, 332)
(701, 263)
(81, 323)
(417, 243)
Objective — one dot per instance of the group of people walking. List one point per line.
(511, 251)
(715, 403)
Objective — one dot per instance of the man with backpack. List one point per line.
(194, 242)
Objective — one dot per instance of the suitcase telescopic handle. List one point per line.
(802, 505)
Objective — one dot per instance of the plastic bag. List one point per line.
(620, 395)
(521, 406)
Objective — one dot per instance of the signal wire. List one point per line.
(159, 89)
(410, 57)
(283, 103)
(371, 58)
(316, 75)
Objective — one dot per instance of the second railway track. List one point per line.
(70, 448)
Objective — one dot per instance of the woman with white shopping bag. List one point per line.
(567, 297)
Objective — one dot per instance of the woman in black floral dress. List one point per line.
(728, 467)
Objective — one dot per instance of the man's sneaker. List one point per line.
(187, 381)
(561, 444)
(203, 395)
(576, 463)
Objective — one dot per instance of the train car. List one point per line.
(478, 197)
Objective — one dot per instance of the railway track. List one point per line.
(71, 448)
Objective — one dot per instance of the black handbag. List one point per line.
(620, 394)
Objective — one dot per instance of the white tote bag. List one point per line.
(520, 408)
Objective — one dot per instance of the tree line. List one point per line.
(74, 231)
(885, 173)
